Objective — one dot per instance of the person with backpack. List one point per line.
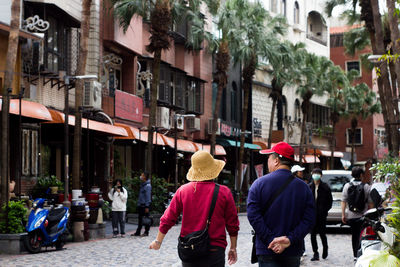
(323, 203)
(208, 212)
(281, 210)
(355, 201)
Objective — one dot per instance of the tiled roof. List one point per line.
(342, 29)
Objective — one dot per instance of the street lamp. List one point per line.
(66, 131)
(176, 117)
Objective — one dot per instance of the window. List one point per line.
(55, 46)
(164, 85)
(194, 96)
(296, 17)
(114, 79)
(29, 152)
(319, 115)
(336, 40)
(234, 102)
(358, 136)
(178, 83)
(283, 7)
(380, 136)
(297, 111)
(284, 108)
(353, 65)
(273, 6)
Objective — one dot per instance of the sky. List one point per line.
(338, 10)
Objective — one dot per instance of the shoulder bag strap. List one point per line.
(277, 193)
(213, 201)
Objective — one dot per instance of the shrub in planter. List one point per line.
(43, 184)
(17, 217)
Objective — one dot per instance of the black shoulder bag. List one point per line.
(196, 245)
(254, 258)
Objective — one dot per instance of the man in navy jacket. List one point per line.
(281, 231)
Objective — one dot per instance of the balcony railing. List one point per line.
(318, 39)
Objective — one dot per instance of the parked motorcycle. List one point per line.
(376, 235)
(46, 226)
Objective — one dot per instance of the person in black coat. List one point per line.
(323, 203)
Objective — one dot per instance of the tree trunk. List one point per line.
(11, 58)
(222, 65)
(271, 122)
(333, 145)
(81, 70)
(302, 136)
(392, 110)
(153, 109)
(248, 73)
(394, 35)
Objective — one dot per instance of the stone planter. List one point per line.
(12, 243)
(97, 231)
(134, 218)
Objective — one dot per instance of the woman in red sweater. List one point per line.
(193, 200)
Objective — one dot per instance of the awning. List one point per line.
(307, 159)
(182, 145)
(133, 133)
(228, 142)
(336, 154)
(263, 145)
(219, 150)
(29, 109)
(58, 117)
(144, 136)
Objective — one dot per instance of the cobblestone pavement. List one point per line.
(133, 251)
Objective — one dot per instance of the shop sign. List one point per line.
(257, 128)
(128, 106)
(229, 130)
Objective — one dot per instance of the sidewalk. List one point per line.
(129, 228)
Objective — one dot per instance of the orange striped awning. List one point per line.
(144, 136)
(181, 144)
(133, 133)
(263, 145)
(307, 159)
(29, 109)
(219, 150)
(58, 117)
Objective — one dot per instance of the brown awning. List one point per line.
(133, 133)
(29, 109)
(58, 117)
(263, 145)
(325, 153)
(182, 145)
(307, 159)
(144, 136)
(219, 150)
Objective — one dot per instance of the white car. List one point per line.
(336, 179)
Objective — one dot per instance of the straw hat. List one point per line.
(204, 167)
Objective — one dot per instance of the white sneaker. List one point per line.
(304, 254)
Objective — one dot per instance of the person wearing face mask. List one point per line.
(143, 204)
(323, 203)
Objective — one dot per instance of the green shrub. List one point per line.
(17, 215)
(43, 184)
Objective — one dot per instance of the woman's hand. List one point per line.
(155, 244)
(232, 256)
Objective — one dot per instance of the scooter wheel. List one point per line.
(59, 245)
(33, 242)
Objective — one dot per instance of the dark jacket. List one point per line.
(324, 201)
(144, 199)
(292, 214)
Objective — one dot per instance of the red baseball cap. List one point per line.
(281, 148)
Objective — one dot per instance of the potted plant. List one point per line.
(54, 184)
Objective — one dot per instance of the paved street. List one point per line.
(133, 251)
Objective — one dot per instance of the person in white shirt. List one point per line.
(119, 196)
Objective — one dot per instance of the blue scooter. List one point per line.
(46, 227)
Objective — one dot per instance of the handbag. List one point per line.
(254, 258)
(196, 245)
(147, 221)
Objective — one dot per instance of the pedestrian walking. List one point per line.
(281, 210)
(298, 172)
(119, 196)
(195, 201)
(143, 204)
(350, 210)
(323, 203)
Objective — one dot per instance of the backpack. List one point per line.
(356, 197)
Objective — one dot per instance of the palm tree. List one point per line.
(252, 36)
(11, 58)
(284, 72)
(361, 102)
(163, 13)
(314, 81)
(336, 101)
(81, 69)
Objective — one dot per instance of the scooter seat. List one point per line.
(56, 214)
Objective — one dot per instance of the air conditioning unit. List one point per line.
(162, 119)
(193, 124)
(91, 95)
(210, 130)
(180, 123)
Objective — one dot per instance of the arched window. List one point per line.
(296, 18)
(297, 111)
(283, 7)
(284, 108)
(273, 6)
